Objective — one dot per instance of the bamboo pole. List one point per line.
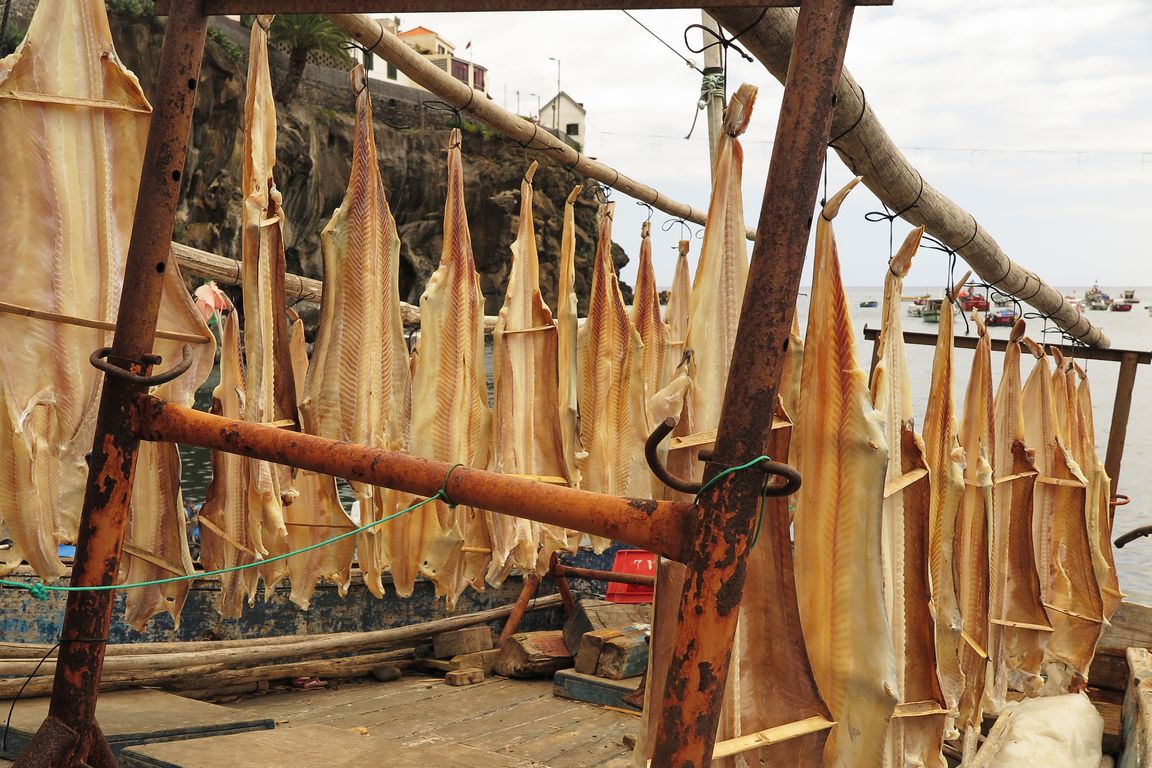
(370, 33)
(868, 150)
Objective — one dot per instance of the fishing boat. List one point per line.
(973, 302)
(1120, 306)
(931, 313)
(1129, 295)
(869, 303)
(1002, 316)
(1096, 299)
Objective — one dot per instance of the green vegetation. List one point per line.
(301, 34)
(11, 38)
(132, 7)
(235, 52)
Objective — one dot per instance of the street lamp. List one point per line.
(556, 101)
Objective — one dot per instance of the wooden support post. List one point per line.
(710, 604)
(1121, 407)
(512, 626)
(88, 615)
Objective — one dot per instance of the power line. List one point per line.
(687, 61)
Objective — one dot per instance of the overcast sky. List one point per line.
(1034, 115)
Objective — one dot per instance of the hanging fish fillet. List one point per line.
(225, 536)
(358, 387)
(1018, 627)
(654, 332)
(1099, 508)
(842, 453)
(611, 385)
(970, 546)
(74, 122)
(915, 736)
(450, 415)
(945, 460)
(270, 391)
(676, 312)
(317, 514)
(526, 436)
(1068, 583)
(566, 327)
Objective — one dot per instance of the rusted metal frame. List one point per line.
(1121, 408)
(88, 615)
(658, 526)
(573, 572)
(562, 586)
(710, 604)
(220, 7)
(531, 582)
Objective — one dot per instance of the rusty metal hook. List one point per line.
(791, 475)
(98, 362)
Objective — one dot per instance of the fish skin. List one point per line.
(451, 420)
(970, 545)
(269, 388)
(946, 461)
(1068, 583)
(676, 312)
(611, 386)
(654, 332)
(526, 435)
(1099, 509)
(359, 388)
(1016, 646)
(566, 330)
(316, 515)
(842, 452)
(913, 740)
(225, 537)
(70, 178)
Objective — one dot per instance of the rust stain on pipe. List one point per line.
(658, 526)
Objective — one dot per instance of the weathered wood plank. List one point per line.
(623, 656)
(1131, 627)
(595, 690)
(592, 615)
(533, 654)
(1137, 711)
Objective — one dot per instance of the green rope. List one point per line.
(763, 492)
(40, 590)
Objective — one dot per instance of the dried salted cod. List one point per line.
(654, 332)
(225, 536)
(74, 122)
(970, 546)
(270, 393)
(317, 514)
(358, 387)
(1099, 507)
(842, 453)
(1068, 583)
(526, 435)
(156, 542)
(915, 736)
(676, 312)
(451, 420)
(1018, 625)
(566, 327)
(945, 460)
(611, 385)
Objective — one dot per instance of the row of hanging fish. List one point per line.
(75, 121)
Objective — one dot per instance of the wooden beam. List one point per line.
(220, 7)
(1121, 407)
(999, 345)
(867, 149)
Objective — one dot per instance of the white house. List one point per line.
(564, 116)
(434, 48)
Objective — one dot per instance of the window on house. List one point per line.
(460, 70)
(440, 49)
(478, 79)
(391, 71)
(572, 129)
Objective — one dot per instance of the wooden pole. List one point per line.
(371, 33)
(713, 65)
(868, 150)
(1121, 408)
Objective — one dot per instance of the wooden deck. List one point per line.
(500, 722)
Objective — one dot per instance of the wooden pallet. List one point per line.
(130, 718)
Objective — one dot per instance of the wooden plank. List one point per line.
(533, 654)
(462, 641)
(1129, 627)
(129, 718)
(220, 7)
(1136, 715)
(591, 645)
(1121, 407)
(624, 656)
(591, 615)
(571, 684)
(1000, 344)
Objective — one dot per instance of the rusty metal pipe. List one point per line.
(657, 526)
(88, 615)
(717, 565)
(571, 571)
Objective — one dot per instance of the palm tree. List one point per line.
(301, 34)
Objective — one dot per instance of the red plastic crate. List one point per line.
(631, 561)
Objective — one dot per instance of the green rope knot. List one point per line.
(38, 591)
(443, 492)
(763, 491)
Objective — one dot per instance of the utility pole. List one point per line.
(714, 67)
(556, 101)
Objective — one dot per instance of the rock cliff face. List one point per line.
(314, 154)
